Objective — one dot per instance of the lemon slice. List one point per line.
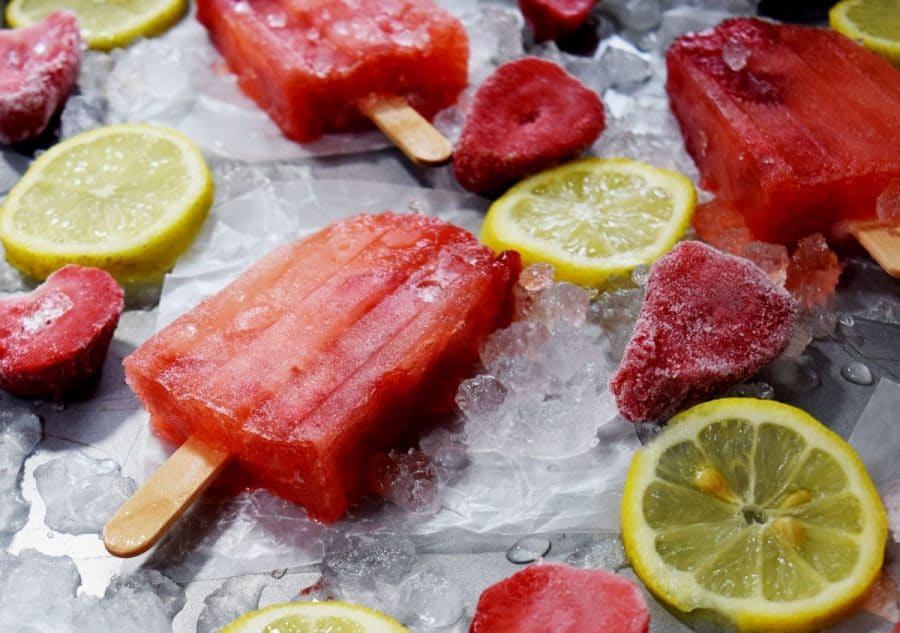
(315, 617)
(592, 218)
(873, 23)
(105, 24)
(126, 198)
(754, 510)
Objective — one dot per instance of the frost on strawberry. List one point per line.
(39, 69)
(53, 341)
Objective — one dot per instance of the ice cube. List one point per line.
(605, 551)
(561, 304)
(81, 114)
(37, 592)
(772, 258)
(20, 432)
(407, 479)
(680, 20)
(369, 570)
(446, 449)
(623, 69)
(149, 581)
(495, 37)
(888, 203)
(81, 493)
(735, 54)
(813, 272)
(638, 16)
(234, 598)
(431, 599)
(536, 277)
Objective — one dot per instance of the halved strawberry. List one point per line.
(528, 116)
(40, 66)
(53, 341)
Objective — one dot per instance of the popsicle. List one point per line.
(40, 66)
(528, 116)
(709, 321)
(556, 598)
(324, 354)
(53, 341)
(794, 126)
(319, 66)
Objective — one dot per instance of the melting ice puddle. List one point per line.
(528, 550)
(857, 373)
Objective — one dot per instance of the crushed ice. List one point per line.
(233, 599)
(40, 593)
(20, 432)
(81, 493)
(387, 574)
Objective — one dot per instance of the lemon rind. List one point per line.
(681, 590)
(160, 16)
(840, 21)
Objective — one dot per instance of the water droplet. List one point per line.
(278, 573)
(528, 550)
(49, 534)
(857, 373)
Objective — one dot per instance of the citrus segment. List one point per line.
(873, 23)
(592, 218)
(125, 198)
(105, 24)
(754, 510)
(315, 617)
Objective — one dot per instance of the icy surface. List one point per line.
(81, 493)
(20, 432)
(39, 593)
(605, 551)
(233, 599)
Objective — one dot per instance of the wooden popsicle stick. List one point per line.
(408, 130)
(882, 241)
(145, 517)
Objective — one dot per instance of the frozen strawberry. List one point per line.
(553, 19)
(709, 321)
(555, 598)
(528, 116)
(53, 341)
(40, 66)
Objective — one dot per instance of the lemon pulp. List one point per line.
(592, 218)
(756, 511)
(126, 198)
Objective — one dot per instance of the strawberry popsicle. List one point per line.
(794, 126)
(311, 64)
(327, 352)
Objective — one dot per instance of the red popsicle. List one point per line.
(795, 126)
(327, 352)
(528, 116)
(40, 66)
(709, 321)
(555, 598)
(313, 65)
(53, 341)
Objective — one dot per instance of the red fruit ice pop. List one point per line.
(556, 598)
(553, 19)
(329, 65)
(324, 354)
(53, 341)
(709, 321)
(40, 67)
(794, 126)
(528, 116)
